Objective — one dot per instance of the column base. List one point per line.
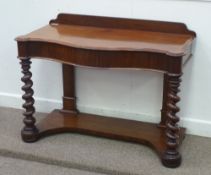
(171, 160)
(30, 135)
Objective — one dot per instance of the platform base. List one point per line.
(121, 129)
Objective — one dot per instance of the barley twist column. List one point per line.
(29, 132)
(172, 157)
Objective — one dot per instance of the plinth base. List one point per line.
(121, 129)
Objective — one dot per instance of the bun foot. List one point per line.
(29, 136)
(171, 160)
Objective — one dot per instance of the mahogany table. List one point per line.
(109, 43)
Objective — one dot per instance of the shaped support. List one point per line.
(29, 133)
(69, 99)
(171, 157)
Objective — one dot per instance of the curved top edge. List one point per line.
(168, 53)
(93, 38)
(123, 23)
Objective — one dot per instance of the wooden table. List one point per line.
(109, 43)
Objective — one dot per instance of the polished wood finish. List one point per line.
(95, 38)
(103, 59)
(79, 40)
(122, 23)
(164, 105)
(69, 99)
(29, 132)
(134, 131)
(171, 155)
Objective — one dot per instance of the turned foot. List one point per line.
(29, 133)
(171, 159)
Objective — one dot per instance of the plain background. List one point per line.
(133, 94)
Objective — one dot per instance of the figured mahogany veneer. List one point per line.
(95, 38)
(134, 131)
(111, 43)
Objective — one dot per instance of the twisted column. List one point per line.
(172, 157)
(164, 105)
(29, 132)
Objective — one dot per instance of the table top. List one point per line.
(112, 39)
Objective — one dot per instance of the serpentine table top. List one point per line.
(80, 40)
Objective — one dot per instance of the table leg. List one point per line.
(69, 99)
(29, 132)
(171, 157)
(165, 97)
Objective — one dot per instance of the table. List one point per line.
(106, 42)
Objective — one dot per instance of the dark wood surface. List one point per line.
(115, 128)
(122, 23)
(69, 99)
(95, 38)
(104, 59)
(109, 43)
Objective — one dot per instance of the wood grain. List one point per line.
(96, 38)
(109, 127)
(122, 23)
(80, 40)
